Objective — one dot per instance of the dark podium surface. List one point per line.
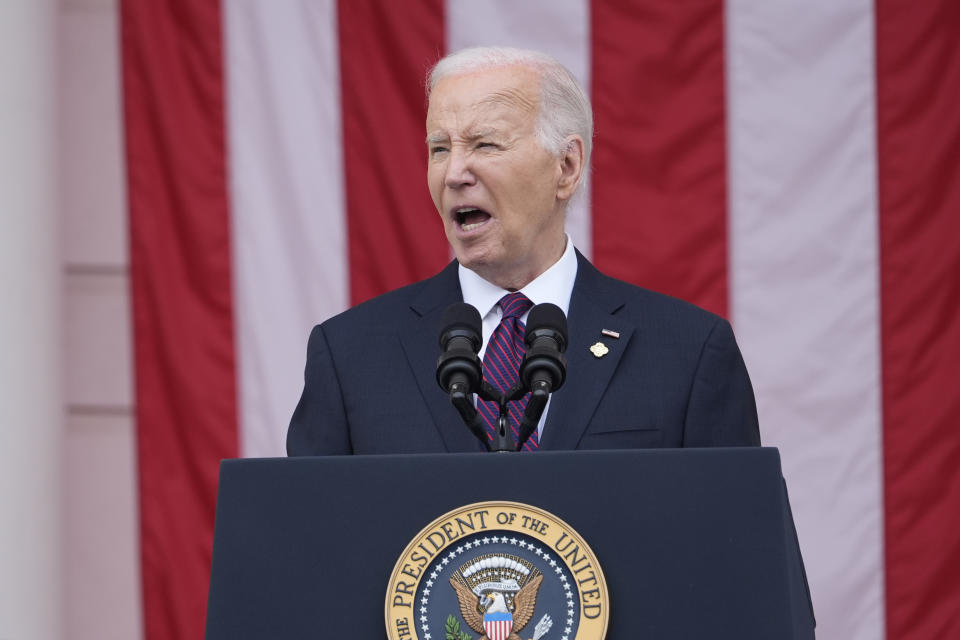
(694, 543)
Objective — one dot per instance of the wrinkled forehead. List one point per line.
(489, 94)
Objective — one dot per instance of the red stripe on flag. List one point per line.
(659, 183)
(182, 301)
(918, 93)
(395, 236)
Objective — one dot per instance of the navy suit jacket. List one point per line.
(674, 377)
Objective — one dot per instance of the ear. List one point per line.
(571, 167)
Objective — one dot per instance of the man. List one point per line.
(509, 134)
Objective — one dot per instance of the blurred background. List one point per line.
(187, 186)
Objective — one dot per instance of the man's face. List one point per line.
(497, 190)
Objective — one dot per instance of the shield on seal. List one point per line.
(497, 625)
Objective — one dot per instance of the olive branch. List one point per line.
(453, 631)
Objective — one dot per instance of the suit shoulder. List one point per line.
(642, 306)
(377, 310)
(385, 310)
(647, 307)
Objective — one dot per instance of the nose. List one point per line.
(459, 170)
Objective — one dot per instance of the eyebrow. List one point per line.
(436, 138)
(480, 133)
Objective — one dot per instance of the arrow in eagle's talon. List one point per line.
(542, 627)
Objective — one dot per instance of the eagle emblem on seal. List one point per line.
(497, 594)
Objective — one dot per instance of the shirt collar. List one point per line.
(553, 285)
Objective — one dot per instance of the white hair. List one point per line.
(564, 108)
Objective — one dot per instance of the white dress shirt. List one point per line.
(554, 285)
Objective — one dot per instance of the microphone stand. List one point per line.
(502, 440)
(539, 395)
(542, 368)
(462, 401)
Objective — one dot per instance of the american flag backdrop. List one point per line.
(793, 165)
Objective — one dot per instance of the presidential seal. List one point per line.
(497, 571)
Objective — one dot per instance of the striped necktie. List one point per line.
(501, 364)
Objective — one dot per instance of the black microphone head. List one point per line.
(461, 320)
(546, 318)
(546, 338)
(459, 367)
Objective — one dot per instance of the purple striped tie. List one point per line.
(501, 364)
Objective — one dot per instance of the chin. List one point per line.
(471, 262)
(479, 265)
(473, 258)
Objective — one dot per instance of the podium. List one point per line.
(694, 543)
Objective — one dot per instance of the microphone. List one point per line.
(459, 370)
(459, 367)
(544, 367)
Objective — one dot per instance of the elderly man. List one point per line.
(508, 139)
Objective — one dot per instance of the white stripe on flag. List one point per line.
(803, 239)
(287, 203)
(560, 28)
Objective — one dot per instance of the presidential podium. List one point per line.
(693, 543)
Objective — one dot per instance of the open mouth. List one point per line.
(470, 218)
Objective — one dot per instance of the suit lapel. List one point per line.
(419, 336)
(592, 308)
